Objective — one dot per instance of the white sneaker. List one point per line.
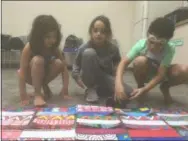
(91, 95)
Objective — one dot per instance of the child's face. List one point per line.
(50, 39)
(155, 44)
(98, 33)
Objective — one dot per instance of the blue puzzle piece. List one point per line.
(123, 137)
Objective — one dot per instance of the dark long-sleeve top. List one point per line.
(108, 57)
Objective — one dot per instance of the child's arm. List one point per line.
(77, 67)
(132, 54)
(24, 65)
(162, 69)
(65, 74)
(159, 76)
(119, 88)
(116, 60)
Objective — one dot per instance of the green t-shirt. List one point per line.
(140, 48)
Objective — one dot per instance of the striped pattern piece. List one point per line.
(96, 137)
(174, 118)
(48, 134)
(11, 135)
(144, 122)
(53, 120)
(16, 120)
(98, 121)
(134, 112)
(94, 109)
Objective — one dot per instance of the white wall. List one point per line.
(157, 9)
(161, 8)
(139, 19)
(75, 17)
(181, 57)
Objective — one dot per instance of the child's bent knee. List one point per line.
(38, 60)
(60, 64)
(140, 61)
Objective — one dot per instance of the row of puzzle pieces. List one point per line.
(71, 135)
(86, 122)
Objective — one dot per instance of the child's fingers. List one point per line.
(25, 102)
(81, 84)
(134, 92)
(67, 97)
(118, 99)
(133, 97)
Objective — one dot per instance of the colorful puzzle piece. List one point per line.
(144, 122)
(123, 137)
(11, 135)
(92, 110)
(16, 120)
(96, 137)
(99, 131)
(145, 111)
(53, 120)
(48, 135)
(162, 133)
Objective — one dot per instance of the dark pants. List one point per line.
(93, 76)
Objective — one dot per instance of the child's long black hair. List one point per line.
(42, 25)
(106, 21)
(162, 27)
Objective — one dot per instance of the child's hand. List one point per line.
(25, 102)
(67, 97)
(80, 83)
(25, 98)
(119, 93)
(137, 93)
(64, 93)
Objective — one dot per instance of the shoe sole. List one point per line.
(92, 100)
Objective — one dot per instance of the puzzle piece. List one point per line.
(16, 120)
(96, 137)
(53, 120)
(144, 122)
(48, 135)
(11, 134)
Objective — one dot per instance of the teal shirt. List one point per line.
(140, 48)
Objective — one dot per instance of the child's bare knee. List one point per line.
(185, 70)
(38, 60)
(140, 61)
(59, 64)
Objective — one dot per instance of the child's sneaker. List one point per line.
(91, 95)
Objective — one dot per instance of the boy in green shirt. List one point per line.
(152, 59)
